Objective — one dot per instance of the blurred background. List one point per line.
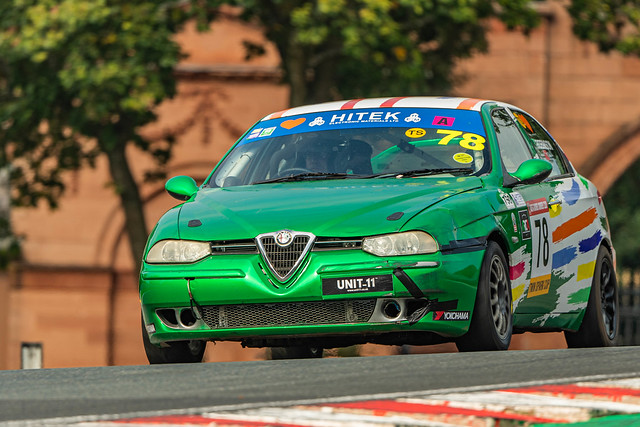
(102, 100)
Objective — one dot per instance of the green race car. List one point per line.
(395, 221)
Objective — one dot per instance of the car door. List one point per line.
(537, 213)
(575, 231)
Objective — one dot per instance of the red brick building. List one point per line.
(76, 291)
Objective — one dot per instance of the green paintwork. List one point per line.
(181, 187)
(454, 210)
(532, 171)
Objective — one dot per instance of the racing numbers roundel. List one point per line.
(415, 133)
(284, 238)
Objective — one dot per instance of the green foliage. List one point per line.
(357, 48)
(78, 78)
(623, 209)
(611, 24)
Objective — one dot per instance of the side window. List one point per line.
(513, 148)
(545, 146)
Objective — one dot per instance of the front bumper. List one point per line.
(222, 289)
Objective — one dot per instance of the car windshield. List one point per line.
(376, 143)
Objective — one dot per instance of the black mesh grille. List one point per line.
(283, 259)
(288, 314)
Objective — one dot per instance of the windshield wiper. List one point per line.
(424, 172)
(309, 176)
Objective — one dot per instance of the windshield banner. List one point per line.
(460, 120)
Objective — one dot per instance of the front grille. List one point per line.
(283, 260)
(337, 243)
(288, 314)
(234, 247)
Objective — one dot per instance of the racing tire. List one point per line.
(601, 320)
(492, 321)
(297, 352)
(175, 352)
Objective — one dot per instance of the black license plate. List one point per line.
(351, 285)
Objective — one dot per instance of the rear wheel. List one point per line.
(175, 352)
(599, 326)
(491, 323)
(296, 352)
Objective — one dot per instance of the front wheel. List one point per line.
(601, 320)
(175, 352)
(492, 321)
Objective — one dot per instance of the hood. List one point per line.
(344, 208)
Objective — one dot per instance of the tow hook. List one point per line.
(195, 307)
(421, 305)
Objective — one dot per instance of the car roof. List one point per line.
(454, 103)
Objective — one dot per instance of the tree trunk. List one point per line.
(127, 188)
(296, 70)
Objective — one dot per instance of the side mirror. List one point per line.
(181, 187)
(531, 171)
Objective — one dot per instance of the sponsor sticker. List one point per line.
(267, 131)
(524, 122)
(517, 197)
(538, 206)
(514, 222)
(443, 121)
(317, 122)
(450, 315)
(542, 145)
(349, 285)
(415, 133)
(463, 158)
(539, 286)
(369, 116)
(290, 124)
(508, 201)
(525, 226)
(254, 133)
(414, 117)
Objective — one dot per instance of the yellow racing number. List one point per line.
(470, 141)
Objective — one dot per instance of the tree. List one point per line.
(614, 25)
(623, 209)
(611, 24)
(78, 78)
(355, 48)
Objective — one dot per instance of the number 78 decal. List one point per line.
(470, 141)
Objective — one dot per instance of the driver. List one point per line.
(316, 154)
(359, 157)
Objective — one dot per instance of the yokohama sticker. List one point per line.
(450, 315)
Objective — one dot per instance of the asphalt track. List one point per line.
(102, 391)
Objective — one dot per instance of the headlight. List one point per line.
(178, 251)
(408, 243)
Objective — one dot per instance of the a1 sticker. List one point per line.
(540, 246)
(415, 133)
